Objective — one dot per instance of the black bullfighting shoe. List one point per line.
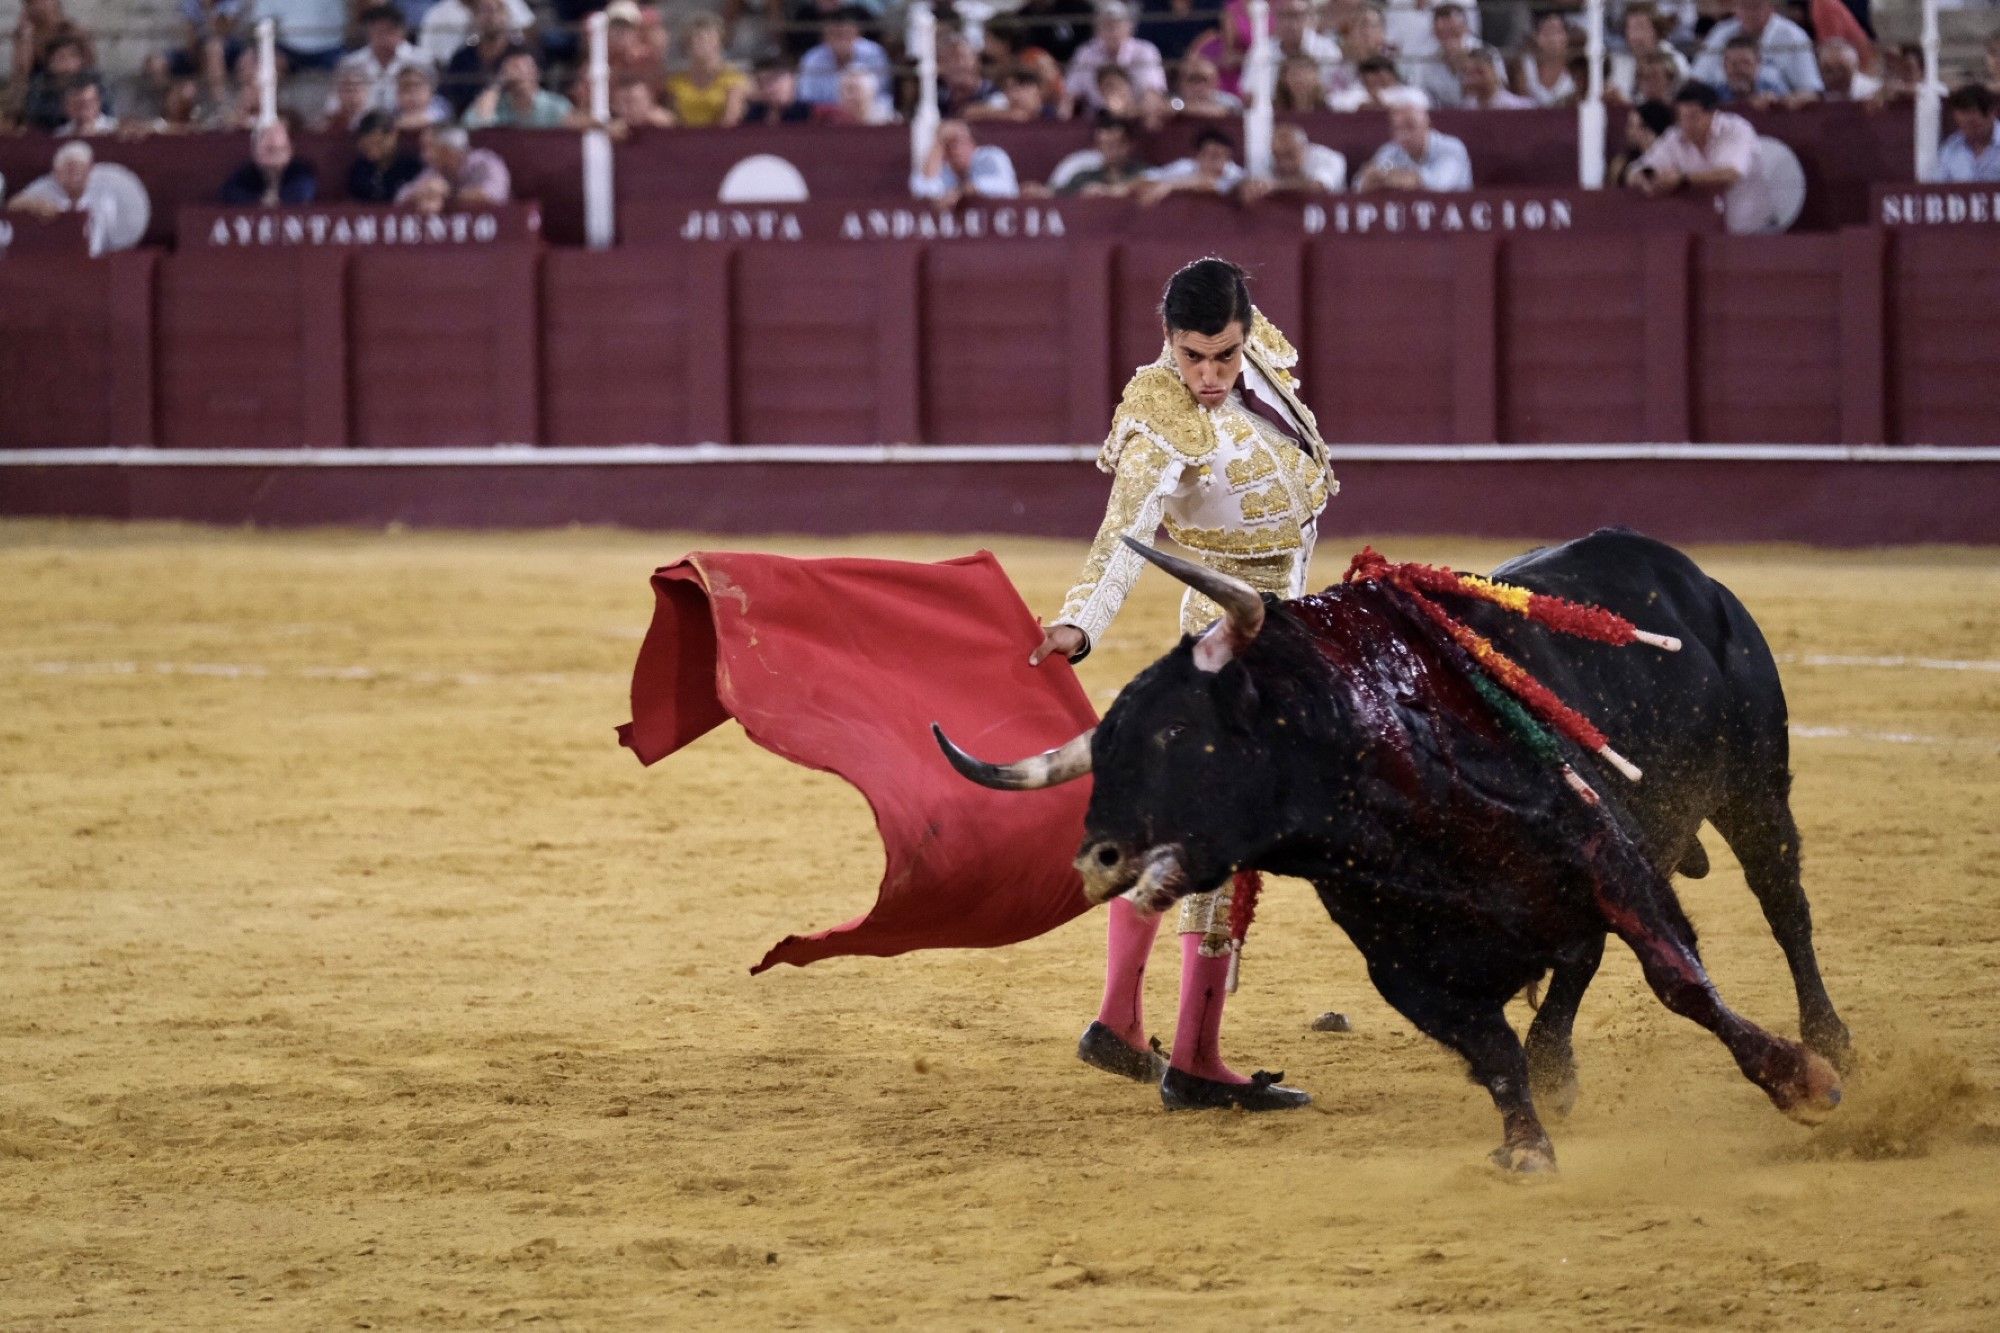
(1104, 1049)
(1185, 1092)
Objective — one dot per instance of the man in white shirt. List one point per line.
(1212, 170)
(447, 26)
(383, 56)
(1480, 86)
(1439, 74)
(1298, 166)
(83, 103)
(1292, 28)
(959, 168)
(73, 185)
(1416, 157)
(1786, 51)
(1973, 154)
(1114, 44)
(1840, 72)
(1709, 150)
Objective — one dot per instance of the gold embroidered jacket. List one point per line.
(1231, 488)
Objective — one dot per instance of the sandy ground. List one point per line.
(351, 976)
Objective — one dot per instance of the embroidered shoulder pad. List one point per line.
(1158, 406)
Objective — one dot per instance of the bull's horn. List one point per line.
(1065, 763)
(1241, 603)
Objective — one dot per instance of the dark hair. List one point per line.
(381, 14)
(1656, 116)
(373, 122)
(772, 65)
(1206, 297)
(1107, 121)
(858, 15)
(513, 50)
(1376, 65)
(1741, 43)
(1696, 93)
(1209, 135)
(1971, 97)
(1113, 72)
(1019, 75)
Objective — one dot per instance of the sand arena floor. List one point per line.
(352, 977)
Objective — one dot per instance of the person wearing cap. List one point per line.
(381, 168)
(274, 175)
(842, 47)
(1114, 44)
(455, 175)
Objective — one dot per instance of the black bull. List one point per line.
(1336, 738)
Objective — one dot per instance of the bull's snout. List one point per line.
(1106, 870)
(1152, 877)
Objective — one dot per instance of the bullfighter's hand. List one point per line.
(1065, 641)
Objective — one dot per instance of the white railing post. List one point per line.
(921, 37)
(600, 199)
(1259, 85)
(1590, 121)
(1930, 99)
(267, 71)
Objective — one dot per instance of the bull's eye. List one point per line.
(1172, 732)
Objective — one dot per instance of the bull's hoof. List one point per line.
(1813, 1095)
(1101, 1048)
(1182, 1091)
(1552, 1082)
(1332, 1021)
(1525, 1159)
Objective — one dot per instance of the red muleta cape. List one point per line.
(842, 665)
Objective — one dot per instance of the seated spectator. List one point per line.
(1374, 90)
(353, 97)
(636, 42)
(74, 184)
(1840, 73)
(1212, 170)
(1298, 166)
(310, 32)
(1902, 73)
(381, 168)
(709, 92)
(64, 60)
(1658, 77)
(1174, 27)
(1113, 44)
(634, 107)
(418, 104)
(1299, 86)
(777, 100)
(182, 109)
(244, 105)
(841, 48)
(1479, 83)
(448, 25)
(1785, 53)
(385, 54)
(1706, 149)
(1646, 32)
(455, 174)
(1416, 157)
(517, 99)
(1970, 155)
(1117, 95)
(274, 175)
(962, 85)
(1644, 124)
(209, 46)
(1200, 91)
(1023, 99)
(1416, 38)
(958, 167)
(477, 63)
(1745, 81)
(1993, 64)
(1437, 74)
(1296, 34)
(83, 103)
(1058, 28)
(860, 103)
(1365, 38)
(1543, 73)
(1118, 168)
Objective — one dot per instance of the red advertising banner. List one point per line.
(355, 226)
(658, 222)
(1935, 205)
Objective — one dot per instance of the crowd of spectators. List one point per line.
(390, 73)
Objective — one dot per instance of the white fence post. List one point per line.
(1259, 84)
(1930, 98)
(267, 71)
(1590, 122)
(600, 198)
(921, 38)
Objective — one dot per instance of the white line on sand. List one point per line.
(1891, 663)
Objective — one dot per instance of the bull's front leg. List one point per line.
(1551, 1058)
(1639, 905)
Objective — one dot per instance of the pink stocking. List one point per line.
(1198, 1034)
(1130, 942)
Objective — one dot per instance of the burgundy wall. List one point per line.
(1856, 337)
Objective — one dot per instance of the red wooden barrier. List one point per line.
(252, 350)
(76, 354)
(1944, 351)
(1572, 339)
(1766, 339)
(443, 347)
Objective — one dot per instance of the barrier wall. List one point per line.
(1845, 150)
(1859, 337)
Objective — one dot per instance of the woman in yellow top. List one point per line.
(710, 92)
(1243, 493)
